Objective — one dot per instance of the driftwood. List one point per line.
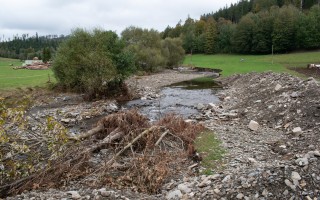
(161, 137)
(90, 133)
(131, 143)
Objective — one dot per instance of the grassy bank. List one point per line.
(233, 64)
(22, 78)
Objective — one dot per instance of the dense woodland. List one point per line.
(26, 47)
(252, 27)
(247, 27)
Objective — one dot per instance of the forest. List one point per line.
(26, 47)
(252, 27)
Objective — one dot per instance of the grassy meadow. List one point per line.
(234, 64)
(22, 78)
(229, 64)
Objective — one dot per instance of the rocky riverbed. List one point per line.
(267, 122)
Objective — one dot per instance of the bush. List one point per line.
(146, 46)
(90, 62)
(173, 51)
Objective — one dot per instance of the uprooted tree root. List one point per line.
(140, 155)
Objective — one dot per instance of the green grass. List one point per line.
(22, 78)
(232, 64)
(211, 151)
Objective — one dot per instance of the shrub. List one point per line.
(90, 62)
(173, 51)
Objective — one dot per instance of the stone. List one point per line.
(200, 106)
(252, 160)
(265, 193)
(294, 95)
(176, 194)
(213, 177)
(204, 183)
(286, 192)
(302, 161)
(278, 87)
(217, 191)
(74, 194)
(295, 176)
(313, 154)
(253, 125)
(66, 120)
(184, 188)
(289, 184)
(240, 196)
(226, 179)
(297, 131)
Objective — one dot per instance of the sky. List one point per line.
(55, 17)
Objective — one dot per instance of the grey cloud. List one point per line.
(61, 16)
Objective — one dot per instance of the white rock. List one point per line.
(295, 176)
(240, 196)
(174, 194)
(226, 179)
(66, 120)
(200, 106)
(302, 161)
(252, 160)
(265, 192)
(289, 184)
(294, 95)
(253, 125)
(217, 191)
(213, 177)
(184, 188)
(297, 131)
(74, 194)
(278, 87)
(313, 154)
(204, 183)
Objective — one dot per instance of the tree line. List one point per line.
(26, 47)
(263, 27)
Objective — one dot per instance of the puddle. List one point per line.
(179, 98)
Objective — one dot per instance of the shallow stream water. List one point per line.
(180, 98)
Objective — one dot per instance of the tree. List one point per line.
(211, 36)
(259, 5)
(308, 34)
(262, 33)
(284, 29)
(188, 35)
(173, 51)
(46, 54)
(242, 39)
(88, 62)
(225, 32)
(146, 46)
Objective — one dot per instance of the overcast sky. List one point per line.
(61, 16)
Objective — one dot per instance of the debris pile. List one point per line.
(123, 151)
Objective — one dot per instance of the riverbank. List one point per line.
(267, 122)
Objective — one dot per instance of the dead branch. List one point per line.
(131, 143)
(161, 137)
(91, 132)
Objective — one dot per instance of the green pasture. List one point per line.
(22, 78)
(234, 64)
